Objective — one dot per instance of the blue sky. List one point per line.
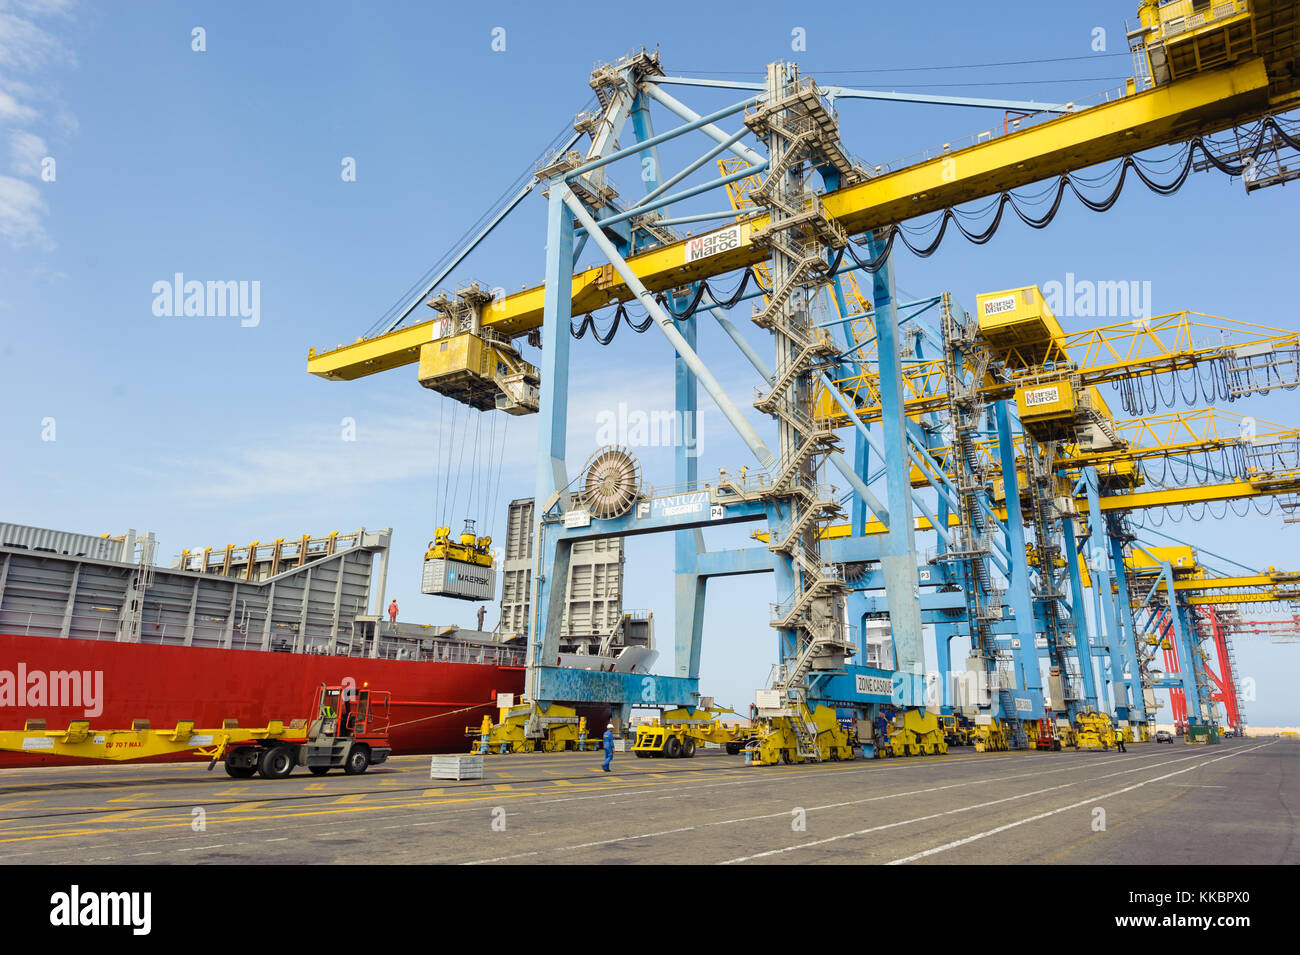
(225, 165)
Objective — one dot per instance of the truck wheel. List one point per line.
(358, 761)
(688, 748)
(733, 749)
(318, 770)
(672, 747)
(240, 772)
(641, 754)
(276, 762)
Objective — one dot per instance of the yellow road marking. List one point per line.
(245, 806)
(123, 816)
(612, 783)
(263, 817)
(131, 798)
(351, 798)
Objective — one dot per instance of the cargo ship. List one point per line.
(91, 628)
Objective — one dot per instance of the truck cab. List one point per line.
(349, 730)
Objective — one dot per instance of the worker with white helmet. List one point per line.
(608, 744)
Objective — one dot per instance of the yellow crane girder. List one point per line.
(1256, 597)
(1174, 433)
(1167, 343)
(1135, 121)
(1274, 579)
(1135, 500)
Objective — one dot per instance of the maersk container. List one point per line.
(454, 578)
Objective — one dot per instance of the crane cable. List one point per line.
(496, 491)
(951, 216)
(1130, 162)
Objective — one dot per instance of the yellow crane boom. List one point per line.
(1212, 91)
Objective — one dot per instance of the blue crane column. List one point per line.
(898, 560)
(551, 557)
(1079, 619)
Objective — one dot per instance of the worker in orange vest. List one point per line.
(392, 611)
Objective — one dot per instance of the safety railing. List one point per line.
(282, 639)
(1009, 126)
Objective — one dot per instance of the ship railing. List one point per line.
(37, 623)
(446, 651)
(104, 627)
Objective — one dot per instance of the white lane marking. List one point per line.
(219, 845)
(947, 812)
(589, 845)
(696, 785)
(785, 813)
(1083, 802)
(500, 858)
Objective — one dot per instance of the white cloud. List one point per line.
(29, 49)
(13, 111)
(26, 150)
(26, 47)
(387, 449)
(21, 212)
(35, 7)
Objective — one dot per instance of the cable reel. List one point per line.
(611, 482)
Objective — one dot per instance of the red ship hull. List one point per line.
(433, 702)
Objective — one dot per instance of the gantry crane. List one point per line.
(1203, 71)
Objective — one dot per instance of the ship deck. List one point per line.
(1162, 804)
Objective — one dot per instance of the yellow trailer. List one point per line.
(142, 741)
(683, 730)
(348, 731)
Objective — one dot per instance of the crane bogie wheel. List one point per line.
(672, 747)
(688, 748)
(318, 770)
(611, 482)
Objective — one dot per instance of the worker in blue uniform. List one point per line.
(608, 744)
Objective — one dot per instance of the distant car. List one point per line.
(1164, 736)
